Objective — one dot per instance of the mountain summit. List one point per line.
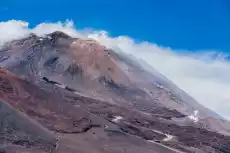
(91, 69)
(79, 92)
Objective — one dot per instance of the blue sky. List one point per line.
(179, 24)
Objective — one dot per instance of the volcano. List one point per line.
(65, 94)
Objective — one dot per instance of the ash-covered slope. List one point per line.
(54, 120)
(42, 121)
(47, 118)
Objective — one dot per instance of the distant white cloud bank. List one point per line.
(204, 75)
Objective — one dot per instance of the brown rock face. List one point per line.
(71, 95)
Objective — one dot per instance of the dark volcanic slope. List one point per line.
(74, 95)
(18, 130)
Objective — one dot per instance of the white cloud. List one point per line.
(205, 76)
(66, 27)
(12, 30)
(15, 29)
